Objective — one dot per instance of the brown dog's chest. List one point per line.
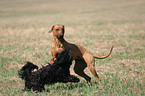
(61, 45)
(56, 48)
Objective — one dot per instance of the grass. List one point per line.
(94, 24)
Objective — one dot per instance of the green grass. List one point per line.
(94, 24)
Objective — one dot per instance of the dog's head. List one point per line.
(58, 31)
(29, 67)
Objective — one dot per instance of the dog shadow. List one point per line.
(68, 86)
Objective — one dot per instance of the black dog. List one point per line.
(57, 72)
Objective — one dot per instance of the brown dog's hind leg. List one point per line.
(89, 59)
(79, 67)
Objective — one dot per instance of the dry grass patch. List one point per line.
(96, 25)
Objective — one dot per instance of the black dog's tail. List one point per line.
(26, 70)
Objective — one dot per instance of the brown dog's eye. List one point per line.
(56, 29)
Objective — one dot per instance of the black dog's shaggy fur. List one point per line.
(57, 72)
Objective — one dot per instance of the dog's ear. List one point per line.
(63, 26)
(51, 29)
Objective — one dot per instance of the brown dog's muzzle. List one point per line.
(60, 36)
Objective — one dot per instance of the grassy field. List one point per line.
(94, 24)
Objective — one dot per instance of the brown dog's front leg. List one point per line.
(52, 60)
(53, 52)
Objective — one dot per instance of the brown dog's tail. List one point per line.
(102, 57)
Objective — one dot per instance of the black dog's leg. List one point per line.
(70, 78)
(38, 88)
(27, 88)
(74, 79)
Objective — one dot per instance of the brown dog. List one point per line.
(83, 58)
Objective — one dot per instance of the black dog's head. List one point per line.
(64, 59)
(29, 67)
